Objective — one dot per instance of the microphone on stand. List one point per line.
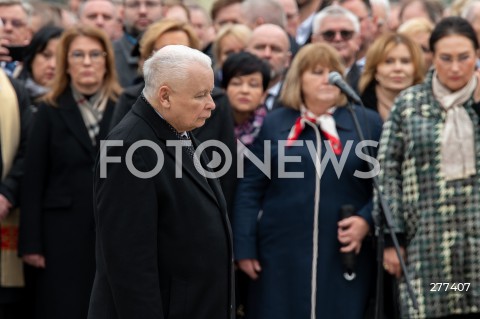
(334, 78)
(348, 259)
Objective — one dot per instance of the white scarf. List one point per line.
(458, 136)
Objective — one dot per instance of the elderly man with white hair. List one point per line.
(163, 237)
(340, 28)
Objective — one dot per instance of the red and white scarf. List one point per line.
(327, 125)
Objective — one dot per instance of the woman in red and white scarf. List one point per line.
(288, 236)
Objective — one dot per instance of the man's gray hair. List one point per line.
(171, 64)
(334, 11)
(383, 3)
(270, 10)
(25, 6)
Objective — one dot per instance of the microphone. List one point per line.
(348, 259)
(334, 78)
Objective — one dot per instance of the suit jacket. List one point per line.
(353, 76)
(125, 64)
(163, 243)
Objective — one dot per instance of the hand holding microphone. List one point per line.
(351, 231)
(348, 258)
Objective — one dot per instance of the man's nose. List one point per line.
(99, 21)
(211, 103)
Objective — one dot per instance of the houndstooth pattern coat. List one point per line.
(440, 219)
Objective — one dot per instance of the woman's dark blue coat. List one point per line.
(273, 222)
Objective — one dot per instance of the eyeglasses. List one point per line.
(16, 23)
(138, 4)
(95, 56)
(329, 35)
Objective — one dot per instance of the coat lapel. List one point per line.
(164, 133)
(343, 119)
(73, 118)
(214, 183)
(105, 122)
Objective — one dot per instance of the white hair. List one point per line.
(334, 11)
(170, 64)
(27, 7)
(382, 3)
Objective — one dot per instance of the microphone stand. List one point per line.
(385, 219)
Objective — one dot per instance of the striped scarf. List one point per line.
(92, 111)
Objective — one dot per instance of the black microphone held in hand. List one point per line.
(334, 78)
(348, 259)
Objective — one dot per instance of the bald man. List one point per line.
(101, 14)
(270, 43)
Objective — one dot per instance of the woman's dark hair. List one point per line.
(453, 26)
(38, 43)
(244, 63)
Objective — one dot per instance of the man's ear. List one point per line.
(163, 96)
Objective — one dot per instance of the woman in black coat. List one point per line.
(57, 226)
(394, 62)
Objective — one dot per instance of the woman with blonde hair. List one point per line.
(231, 38)
(419, 30)
(56, 224)
(393, 63)
(165, 32)
(293, 249)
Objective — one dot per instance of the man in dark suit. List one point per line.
(137, 16)
(163, 236)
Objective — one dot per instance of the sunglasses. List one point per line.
(329, 35)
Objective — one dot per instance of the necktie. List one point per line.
(187, 144)
(10, 68)
(327, 126)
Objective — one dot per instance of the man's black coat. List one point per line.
(163, 243)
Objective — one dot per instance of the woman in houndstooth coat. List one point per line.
(430, 165)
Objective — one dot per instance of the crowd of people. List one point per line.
(269, 237)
